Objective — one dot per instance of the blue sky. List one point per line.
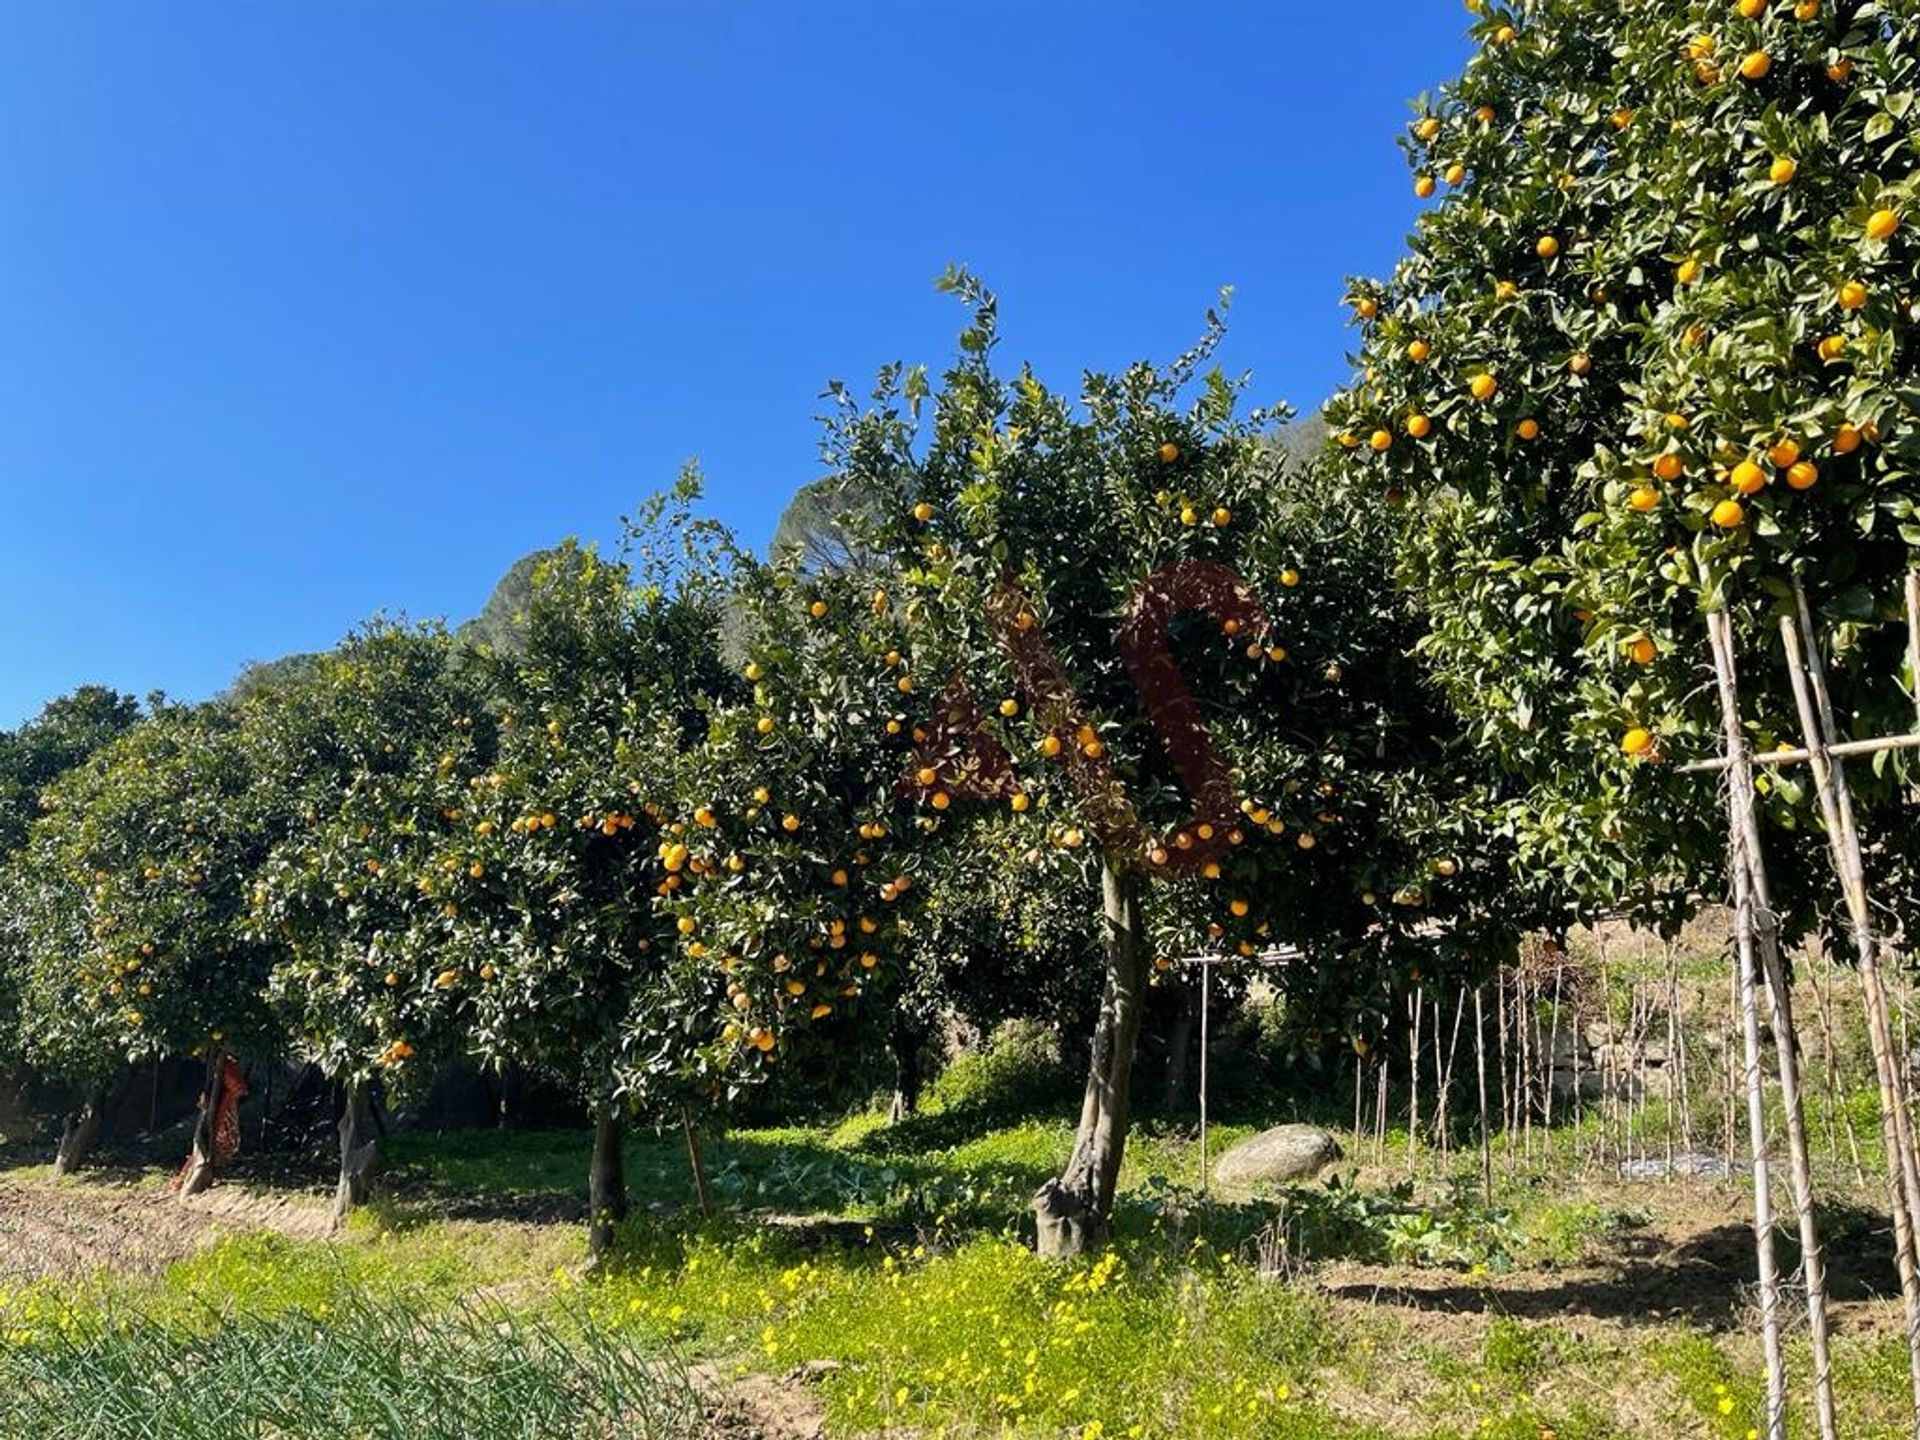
(309, 311)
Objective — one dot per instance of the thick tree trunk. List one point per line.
(906, 1042)
(359, 1151)
(80, 1134)
(199, 1172)
(1074, 1213)
(606, 1181)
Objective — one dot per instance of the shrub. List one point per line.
(1018, 1069)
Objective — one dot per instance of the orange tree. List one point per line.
(366, 757)
(1110, 646)
(561, 957)
(129, 904)
(63, 734)
(1652, 354)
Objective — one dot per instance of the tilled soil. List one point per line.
(51, 1227)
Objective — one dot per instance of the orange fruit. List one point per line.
(1427, 128)
(1687, 271)
(1482, 386)
(1756, 65)
(1050, 746)
(923, 512)
(1637, 741)
(1484, 114)
(1169, 452)
(1852, 295)
(1368, 308)
(1748, 478)
(1222, 517)
(1882, 223)
(1803, 475)
(1505, 290)
(1839, 71)
(1456, 172)
(1009, 707)
(1751, 8)
(1546, 247)
(1642, 651)
(1644, 498)
(764, 724)
(1807, 10)
(1418, 351)
(1423, 186)
(1528, 429)
(1700, 47)
(1289, 578)
(1846, 440)
(1668, 467)
(941, 800)
(1380, 439)
(1419, 426)
(1505, 35)
(1622, 118)
(1783, 169)
(1783, 453)
(1189, 515)
(790, 823)
(1728, 514)
(926, 775)
(1832, 348)
(1020, 802)
(1581, 363)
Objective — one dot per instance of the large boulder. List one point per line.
(1286, 1152)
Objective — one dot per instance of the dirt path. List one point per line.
(73, 1227)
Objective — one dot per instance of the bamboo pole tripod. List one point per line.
(1761, 973)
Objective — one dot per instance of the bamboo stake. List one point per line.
(1739, 799)
(1506, 1068)
(1807, 672)
(1359, 1075)
(1380, 1116)
(1913, 638)
(1413, 1094)
(1553, 1039)
(1801, 755)
(1480, 1063)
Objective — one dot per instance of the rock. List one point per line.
(1286, 1152)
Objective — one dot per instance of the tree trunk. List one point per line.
(1180, 1056)
(905, 1041)
(1074, 1212)
(80, 1133)
(606, 1181)
(697, 1164)
(359, 1151)
(198, 1175)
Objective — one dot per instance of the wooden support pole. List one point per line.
(1807, 673)
(1740, 797)
(1913, 638)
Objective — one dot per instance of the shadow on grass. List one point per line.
(1705, 1280)
(901, 1173)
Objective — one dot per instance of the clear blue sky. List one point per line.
(311, 310)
